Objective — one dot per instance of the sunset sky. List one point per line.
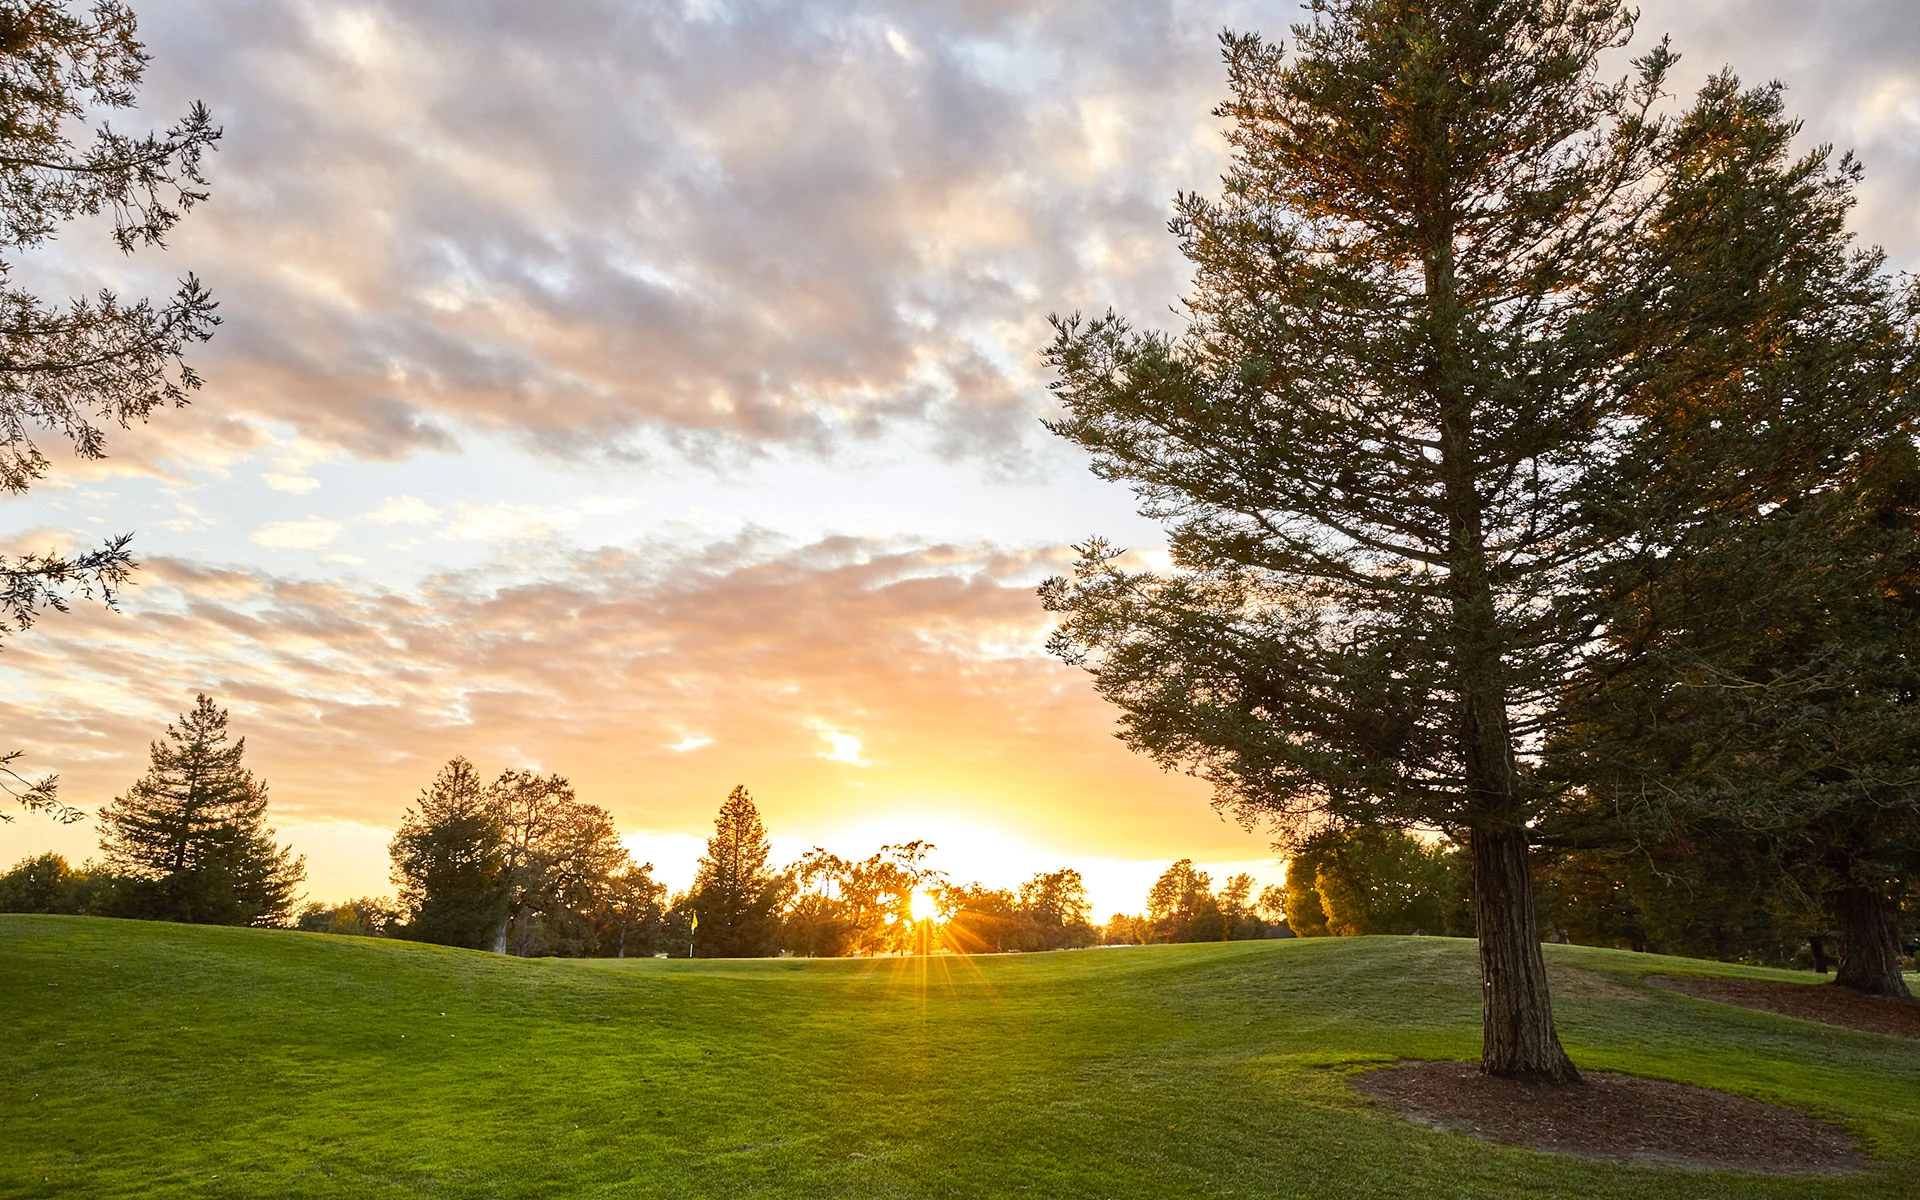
(650, 393)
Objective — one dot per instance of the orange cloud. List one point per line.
(854, 686)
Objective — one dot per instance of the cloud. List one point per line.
(310, 534)
(602, 665)
(769, 223)
(843, 748)
(298, 485)
(717, 229)
(495, 522)
(402, 510)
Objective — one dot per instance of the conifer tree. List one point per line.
(193, 831)
(1382, 443)
(1758, 672)
(449, 861)
(72, 368)
(735, 896)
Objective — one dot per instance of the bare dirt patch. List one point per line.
(1822, 1002)
(1618, 1117)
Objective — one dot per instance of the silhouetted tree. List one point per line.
(1048, 912)
(450, 862)
(561, 857)
(1181, 907)
(735, 897)
(46, 883)
(630, 917)
(69, 368)
(1055, 904)
(815, 923)
(39, 884)
(192, 832)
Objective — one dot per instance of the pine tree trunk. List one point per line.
(1869, 943)
(1518, 1039)
(1819, 947)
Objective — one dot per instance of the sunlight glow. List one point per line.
(921, 905)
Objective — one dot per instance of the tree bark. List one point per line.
(1819, 947)
(1518, 1040)
(1869, 943)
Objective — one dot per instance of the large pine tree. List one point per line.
(193, 832)
(450, 861)
(1384, 441)
(735, 896)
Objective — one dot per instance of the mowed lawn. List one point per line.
(163, 1060)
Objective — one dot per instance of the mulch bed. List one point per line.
(1825, 1003)
(1616, 1117)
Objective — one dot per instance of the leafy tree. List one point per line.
(449, 862)
(46, 883)
(561, 856)
(1758, 670)
(735, 897)
(1386, 881)
(1181, 907)
(1386, 440)
(816, 924)
(1271, 907)
(631, 915)
(36, 885)
(519, 865)
(70, 368)
(982, 919)
(365, 917)
(1055, 904)
(1306, 916)
(1048, 912)
(192, 832)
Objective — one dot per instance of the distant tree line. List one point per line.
(519, 866)
(1183, 907)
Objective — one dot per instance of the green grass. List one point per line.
(159, 1060)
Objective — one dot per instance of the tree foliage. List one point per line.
(1429, 310)
(1758, 666)
(192, 832)
(1047, 912)
(1348, 883)
(72, 368)
(520, 865)
(367, 916)
(561, 857)
(449, 861)
(736, 897)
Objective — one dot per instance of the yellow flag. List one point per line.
(696, 920)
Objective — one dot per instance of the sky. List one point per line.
(651, 393)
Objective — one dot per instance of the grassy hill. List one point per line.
(160, 1060)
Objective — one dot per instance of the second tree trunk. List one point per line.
(1869, 943)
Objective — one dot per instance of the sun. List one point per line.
(921, 905)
